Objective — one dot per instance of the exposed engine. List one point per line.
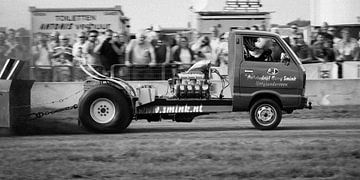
(195, 82)
(190, 85)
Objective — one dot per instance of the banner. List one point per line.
(71, 22)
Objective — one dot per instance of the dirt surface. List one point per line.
(323, 143)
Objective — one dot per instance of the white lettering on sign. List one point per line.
(75, 18)
(270, 78)
(71, 22)
(289, 78)
(270, 84)
(178, 109)
(255, 77)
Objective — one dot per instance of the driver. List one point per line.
(257, 49)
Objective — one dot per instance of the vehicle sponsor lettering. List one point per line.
(178, 109)
(289, 78)
(270, 78)
(271, 84)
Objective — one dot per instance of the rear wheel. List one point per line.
(105, 109)
(265, 114)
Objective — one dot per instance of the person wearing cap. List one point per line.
(62, 57)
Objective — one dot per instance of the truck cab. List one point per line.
(278, 75)
(264, 78)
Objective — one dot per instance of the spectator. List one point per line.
(293, 35)
(347, 49)
(254, 28)
(332, 31)
(54, 41)
(321, 51)
(262, 27)
(314, 34)
(140, 53)
(120, 40)
(175, 43)
(16, 49)
(301, 49)
(78, 47)
(204, 50)
(329, 50)
(214, 41)
(62, 57)
(195, 38)
(275, 30)
(89, 54)
(78, 57)
(324, 30)
(162, 56)
(184, 55)
(3, 49)
(41, 57)
(110, 48)
(222, 52)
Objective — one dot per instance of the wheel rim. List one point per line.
(102, 110)
(265, 115)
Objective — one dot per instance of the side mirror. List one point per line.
(284, 58)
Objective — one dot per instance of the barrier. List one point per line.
(325, 92)
(351, 69)
(327, 70)
(14, 96)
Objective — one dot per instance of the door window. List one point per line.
(264, 49)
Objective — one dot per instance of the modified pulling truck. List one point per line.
(265, 78)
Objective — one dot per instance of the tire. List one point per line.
(265, 114)
(105, 109)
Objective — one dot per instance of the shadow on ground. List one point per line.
(66, 122)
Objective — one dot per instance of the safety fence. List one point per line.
(66, 73)
(333, 70)
(328, 70)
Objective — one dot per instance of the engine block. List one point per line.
(190, 85)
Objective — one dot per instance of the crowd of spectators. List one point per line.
(325, 46)
(148, 55)
(151, 55)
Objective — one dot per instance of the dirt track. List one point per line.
(322, 143)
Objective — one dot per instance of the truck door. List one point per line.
(267, 67)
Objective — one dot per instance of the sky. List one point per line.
(143, 13)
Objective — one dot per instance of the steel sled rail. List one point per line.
(98, 76)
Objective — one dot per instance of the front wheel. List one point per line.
(105, 109)
(265, 114)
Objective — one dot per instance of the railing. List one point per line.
(132, 72)
(329, 70)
